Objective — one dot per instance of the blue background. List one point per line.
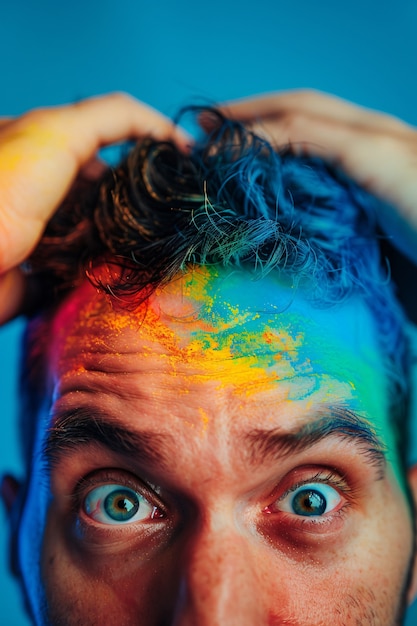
(167, 53)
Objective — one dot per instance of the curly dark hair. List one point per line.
(234, 200)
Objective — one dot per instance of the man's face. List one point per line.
(219, 455)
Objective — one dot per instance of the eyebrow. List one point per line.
(331, 421)
(82, 426)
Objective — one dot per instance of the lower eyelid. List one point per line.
(94, 535)
(328, 518)
(287, 526)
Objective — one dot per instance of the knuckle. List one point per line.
(116, 99)
(37, 116)
(293, 120)
(120, 97)
(308, 94)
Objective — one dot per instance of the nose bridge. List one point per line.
(219, 578)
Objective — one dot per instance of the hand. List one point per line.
(376, 150)
(41, 155)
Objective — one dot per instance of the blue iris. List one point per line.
(121, 504)
(116, 504)
(309, 502)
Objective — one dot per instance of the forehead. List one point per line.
(223, 326)
(213, 357)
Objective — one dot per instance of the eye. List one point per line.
(117, 504)
(311, 499)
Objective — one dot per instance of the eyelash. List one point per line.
(326, 477)
(290, 520)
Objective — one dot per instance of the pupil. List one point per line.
(121, 505)
(309, 502)
(124, 505)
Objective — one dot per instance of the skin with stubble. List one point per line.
(221, 454)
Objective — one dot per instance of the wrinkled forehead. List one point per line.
(224, 337)
(210, 315)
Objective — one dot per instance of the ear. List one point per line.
(9, 491)
(11, 495)
(412, 482)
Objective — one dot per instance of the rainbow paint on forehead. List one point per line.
(256, 335)
(224, 329)
(222, 326)
(203, 327)
(220, 331)
(238, 331)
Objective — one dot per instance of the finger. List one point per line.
(104, 120)
(42, 152)
(357, 150)
(125, 117)
(118, 117)
(310, 102)
(382, 163)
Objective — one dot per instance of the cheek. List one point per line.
(338, 598)
(96, 585)
(125, 588)
(77, 592)
(363, 581)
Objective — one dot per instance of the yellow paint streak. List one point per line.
(25, 145)
(232, 359)
(240, 353)
(204, 419)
